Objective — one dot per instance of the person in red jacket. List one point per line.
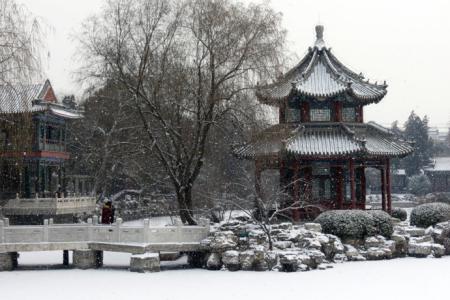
(107, 213)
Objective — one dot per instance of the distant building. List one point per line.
(321, 146)
(33, 182)
(439, 174)
(437, 135)
(399, 180)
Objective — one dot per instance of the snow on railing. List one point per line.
(92, 231)
(55, 205)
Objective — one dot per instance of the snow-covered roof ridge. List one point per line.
(321, 75)
(40, 97)
(325, 140)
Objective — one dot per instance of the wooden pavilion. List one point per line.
(321, 145)
(33, 155)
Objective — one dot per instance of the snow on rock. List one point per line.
(214, 261)
(313, 227)
(353, 254)
(243, 245)
(230, 259)
(419, 250)
(223, 240)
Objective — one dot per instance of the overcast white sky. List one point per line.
(406, 43)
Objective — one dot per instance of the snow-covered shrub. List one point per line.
(355, 224)
(382, 222)
(437, 197)
(430, 214)
(419, 185)
(399, 213)
(347, 224)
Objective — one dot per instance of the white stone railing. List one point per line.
(56, 206)
(30, 237)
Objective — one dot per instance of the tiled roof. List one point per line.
(326, 140)
(21, 98)
(18, 98)
(320, 75)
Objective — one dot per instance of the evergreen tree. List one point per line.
(396, 162)
(416, 130)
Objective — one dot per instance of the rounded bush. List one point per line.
(355, 224)
(443, 197)
(430, 214)
(399, 213)
(382, 222)
(419, 185)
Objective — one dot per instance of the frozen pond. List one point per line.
(407, 278)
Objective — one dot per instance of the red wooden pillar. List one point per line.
(360, 114)
(282, 113)
(296, 198)
(388, 186)
(340, 187)
(258, 171)
(308, 179)
(383, 188)
(363, 187)
(337, 111)
(352, 183)
(304, 111)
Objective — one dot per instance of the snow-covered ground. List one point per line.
(407, 278)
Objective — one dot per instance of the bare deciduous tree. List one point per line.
(20, 43)
(186, 64)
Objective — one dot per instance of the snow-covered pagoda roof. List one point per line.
(326, 141)
(31, 98)
(320, 75)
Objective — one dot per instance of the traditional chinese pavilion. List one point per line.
(321, 145)
(33, 181)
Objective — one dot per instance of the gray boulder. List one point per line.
(247, 260)
(401, 245)
(353, 254)
(419, 250)
(288, 261)
(313, 227)
(437, 250)
(223, 241)
(214, 261)
(230, 259)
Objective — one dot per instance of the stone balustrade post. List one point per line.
(50, 221)
(2, 231)
(90, 231)
(146, 231)
(45, 230)
(7, 262)
(95, 220)
(203, 222)
(117, 231)
(6, 220)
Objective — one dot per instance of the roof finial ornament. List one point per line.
(320, 43)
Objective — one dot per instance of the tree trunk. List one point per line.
(184, 199)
